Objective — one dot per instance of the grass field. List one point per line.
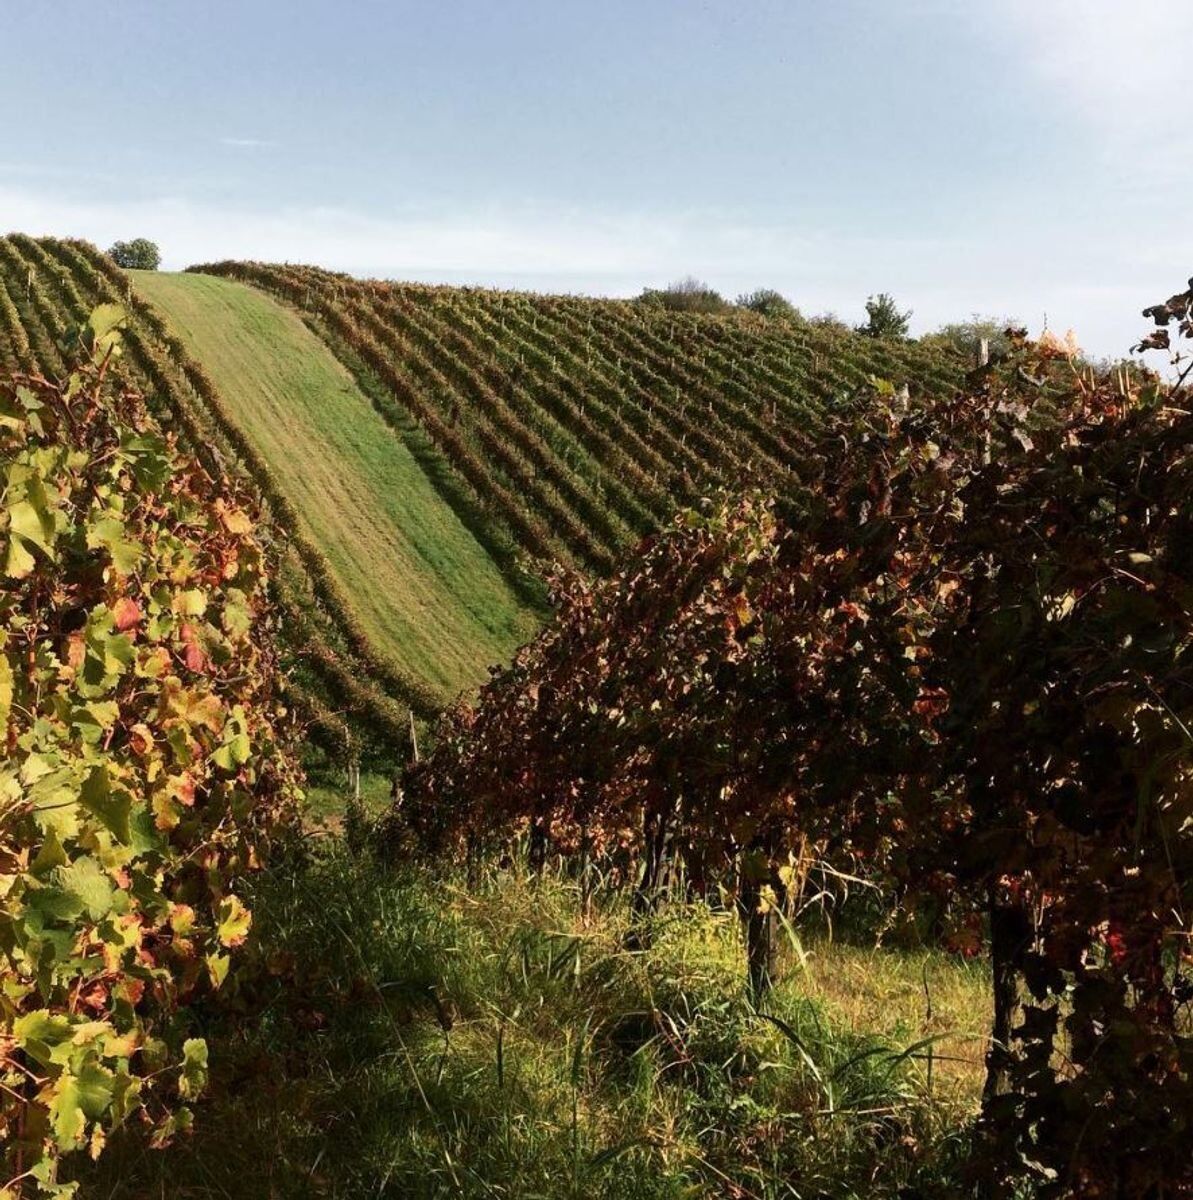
(499, 1040)
(420, 583)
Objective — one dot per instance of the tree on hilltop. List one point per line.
(138, 255)
(686, 295)
(884, 318)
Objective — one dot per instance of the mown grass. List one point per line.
(423, 587)
(325, 801)
(412, 1037)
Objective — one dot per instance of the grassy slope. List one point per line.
(421, 584)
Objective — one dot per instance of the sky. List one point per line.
(1015, 158)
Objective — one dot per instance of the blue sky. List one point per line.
(1014, 158)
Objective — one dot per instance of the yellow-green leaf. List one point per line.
(112, 807)
(217, 968)
(194, 1068)
(192, 603)
(107, 533)
(86, 879)
(234, 921)
(6, 692)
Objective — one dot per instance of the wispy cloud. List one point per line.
(247, 143)
(943, 278)
(1120, 70)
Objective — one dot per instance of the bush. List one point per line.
(830, 323)
(686, 295)
(965, 337)
(138, 255)
(768, 302)
(884, 318)
(143, 767)
(963, 675)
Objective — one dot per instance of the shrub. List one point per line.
(143, 767)
(138, 255)
(686, 295)
(830, 323)
(768, 302)
(965, 337)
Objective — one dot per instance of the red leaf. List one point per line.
(193, 655)
(126, 614)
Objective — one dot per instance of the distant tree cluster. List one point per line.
(694, 295)
(830, 322)
(686, 295)
(966, 337)
(884, 319)
(768, 302)
(138, 255)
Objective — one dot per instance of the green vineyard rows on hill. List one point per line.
(421, 587)
(577, 425)
(413, 501)
(343, 687)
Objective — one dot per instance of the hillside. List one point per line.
(419, 452)
(351, 692)
(605, 935)
(576, 424)
(423, 587)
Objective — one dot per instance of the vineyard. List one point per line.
(352, 693)
(960, 674)
(832, 836)
(577, 426)
(425, 590)
(420, 487)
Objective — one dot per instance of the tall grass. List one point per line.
(414, 1038)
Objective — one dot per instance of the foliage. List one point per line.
(965, 337)
(1178, 309)
(144, 766)
(348, 694)
(138, 255)
(768, 302)
(830, 322)
(883, 318)
(686, 295)
(965, 672)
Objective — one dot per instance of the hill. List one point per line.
(412, 489)
(424, 589)
(578, 425)
(351, 692)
